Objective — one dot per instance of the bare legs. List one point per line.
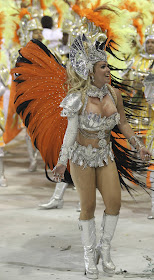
(107, 181)
(84, 181)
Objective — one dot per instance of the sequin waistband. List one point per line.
(89, 156)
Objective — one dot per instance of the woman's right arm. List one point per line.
(69, 139)
(71, 106)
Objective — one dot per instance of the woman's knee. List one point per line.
(87, 211)
(113, 208)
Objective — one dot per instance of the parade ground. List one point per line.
(40, 244)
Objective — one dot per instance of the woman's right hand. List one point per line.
(58, 172)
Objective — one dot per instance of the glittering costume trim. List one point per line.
(82, 61)
(89, 156)
(96, 92)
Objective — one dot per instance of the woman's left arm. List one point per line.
(128, 132)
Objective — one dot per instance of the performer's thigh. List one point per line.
(107, 181)
(85, 183)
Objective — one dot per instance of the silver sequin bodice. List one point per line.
(94, 122)
(102, 126)
(91, 126)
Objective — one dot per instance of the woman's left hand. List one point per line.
(145, 154)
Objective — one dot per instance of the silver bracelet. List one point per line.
(137, 143)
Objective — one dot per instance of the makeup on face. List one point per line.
(101, 73)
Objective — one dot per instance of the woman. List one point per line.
(93, 109)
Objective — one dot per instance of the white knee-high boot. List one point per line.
(56, 201)
(88, 236)
(107, 230)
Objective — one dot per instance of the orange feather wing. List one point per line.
(39, 92)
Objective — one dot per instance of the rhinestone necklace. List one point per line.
(93, 91)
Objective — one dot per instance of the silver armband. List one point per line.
(138, 145)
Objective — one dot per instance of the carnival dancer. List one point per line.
(150, 173)
(143, 71)
(148, 81)
(93, 109)
(4, 93)
(56, 200)
(27, 30)
(87, 146)
(34, 31)
(141, 67)
(149, 95)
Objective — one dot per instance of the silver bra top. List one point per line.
(94, 122)
(71, 105)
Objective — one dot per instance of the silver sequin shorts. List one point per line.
(89, 156)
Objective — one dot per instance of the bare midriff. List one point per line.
(84, 141)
